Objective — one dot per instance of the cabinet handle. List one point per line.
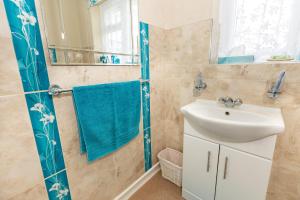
(225, 168)
(208, 161)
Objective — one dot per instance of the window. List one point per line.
(115, 19)
(259, 29)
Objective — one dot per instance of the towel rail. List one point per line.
(55, 90)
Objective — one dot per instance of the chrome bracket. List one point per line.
(54, 90)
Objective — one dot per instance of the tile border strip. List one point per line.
(26, 38)
(145, 74)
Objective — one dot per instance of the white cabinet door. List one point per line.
(242, 176)
(200, 161)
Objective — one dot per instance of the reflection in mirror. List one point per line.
(91, 32)
(255, 31)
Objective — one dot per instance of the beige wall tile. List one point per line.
(20, 167)
(37, 192)
(70, 76)
(10, 81)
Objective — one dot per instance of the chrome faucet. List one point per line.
(230, 102)
(275, 89)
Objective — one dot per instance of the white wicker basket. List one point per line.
(171, 165)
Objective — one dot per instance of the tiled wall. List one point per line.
(179, 54)
(145, 76)
(32, 69)
(21, 170)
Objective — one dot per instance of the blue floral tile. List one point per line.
(147, 125)
(27, 41)
(148, 149)
(144, 45)
(58, 187)
(146, 104)
(144, 42)
(43, 120)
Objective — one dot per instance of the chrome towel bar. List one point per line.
(55, 90)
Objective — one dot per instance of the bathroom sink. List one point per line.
(245, 123)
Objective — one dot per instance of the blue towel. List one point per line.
(108, 116)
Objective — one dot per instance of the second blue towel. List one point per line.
(108, 116)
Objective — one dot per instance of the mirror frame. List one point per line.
(91, 50)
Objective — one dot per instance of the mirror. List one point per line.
(91, 32)
(256, 31)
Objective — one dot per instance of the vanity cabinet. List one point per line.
(215, 172)
(242, 176)
(200, 163)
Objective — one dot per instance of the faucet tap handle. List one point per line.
(229, 99)
(238, 102)
(222, 100)
(226, 99)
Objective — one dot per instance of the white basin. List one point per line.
(241, 124)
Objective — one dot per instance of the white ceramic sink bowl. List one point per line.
(241, 124)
